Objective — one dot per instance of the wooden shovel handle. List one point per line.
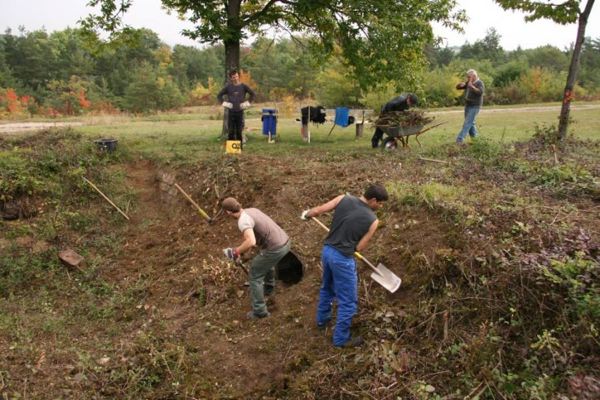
(187, 196)
(105, 197)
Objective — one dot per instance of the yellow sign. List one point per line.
(233, 147)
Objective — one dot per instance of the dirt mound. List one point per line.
(193, 297)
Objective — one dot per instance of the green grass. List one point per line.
(192, 136)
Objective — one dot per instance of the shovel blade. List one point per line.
(386, 278)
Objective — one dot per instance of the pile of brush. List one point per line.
(403, 119)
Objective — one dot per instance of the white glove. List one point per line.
(232, 254)
(304, 216)
(227, 104)
(245, 105)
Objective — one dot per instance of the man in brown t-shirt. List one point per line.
(258, 229)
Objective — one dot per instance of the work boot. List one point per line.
(251, 315)
(355, 341)
(323, 326)
(269, 290)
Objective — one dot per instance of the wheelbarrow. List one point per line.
(402, 133)
(399, 133)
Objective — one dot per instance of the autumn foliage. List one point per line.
(12, 105)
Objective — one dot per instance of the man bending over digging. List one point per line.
(258, 229)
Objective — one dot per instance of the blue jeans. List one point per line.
(340, 283)
(469, 124)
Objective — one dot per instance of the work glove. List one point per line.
(245, 105)
(227, 104)
(232, 254)
(304, 216)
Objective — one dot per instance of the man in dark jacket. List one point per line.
(400, 103)
(354, 223)
(236, 103)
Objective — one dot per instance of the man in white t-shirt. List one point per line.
(258, 230)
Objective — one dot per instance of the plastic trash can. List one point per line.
(269, 122)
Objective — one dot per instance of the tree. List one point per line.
(590, 63)
(548, 57)
(380, 38)
(439, 56)
(487, 48)
(151, 90)
(566, 12)
(192, 66)
(31, 58)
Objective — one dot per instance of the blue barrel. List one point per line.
(269, 121)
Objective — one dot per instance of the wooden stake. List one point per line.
(433, 160)
(106, 198)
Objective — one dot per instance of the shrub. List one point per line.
(440, 86)
(68, 98)
(15, 176)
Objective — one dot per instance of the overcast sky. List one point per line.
(483, 14)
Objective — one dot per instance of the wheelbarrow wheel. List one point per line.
(390, 143)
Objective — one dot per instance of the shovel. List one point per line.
(380, 274)
(189, 198)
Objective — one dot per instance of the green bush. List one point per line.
(379, 95)
(335, 88)
(579, 275)
(440, 86)
(16, 177)
(485, 150)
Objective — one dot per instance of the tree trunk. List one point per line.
(232, 40)
(563, 119)
(232, 48)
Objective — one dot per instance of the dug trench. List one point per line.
(180, 329)
(195, 300)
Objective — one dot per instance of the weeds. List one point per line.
(485, 150)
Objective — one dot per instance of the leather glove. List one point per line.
(227, 104)
(245, 105)
(231, 254)
(304, 216)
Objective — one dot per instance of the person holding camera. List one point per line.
(474, 89)
(236, 103)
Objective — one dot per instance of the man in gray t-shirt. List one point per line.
(258, 230)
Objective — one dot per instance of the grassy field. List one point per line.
(198, 131)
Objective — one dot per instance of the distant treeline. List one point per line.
(71, 72)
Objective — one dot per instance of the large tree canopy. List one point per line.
(380, 39)
(565, 12)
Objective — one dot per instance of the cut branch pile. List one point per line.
(404, 119)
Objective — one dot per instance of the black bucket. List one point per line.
(108, 145)
(289, 269)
